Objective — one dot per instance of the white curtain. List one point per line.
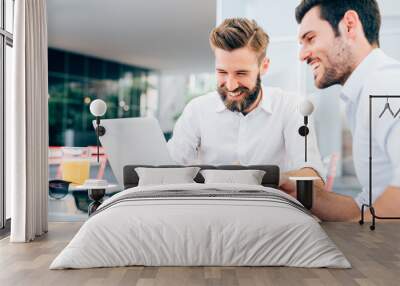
(27, 123)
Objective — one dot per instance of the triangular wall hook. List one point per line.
(387, 107)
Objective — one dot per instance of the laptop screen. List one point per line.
(133, 141)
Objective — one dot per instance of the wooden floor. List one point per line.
(375, 257)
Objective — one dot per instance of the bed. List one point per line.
(201, 224)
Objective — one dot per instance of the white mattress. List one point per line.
(200, 231)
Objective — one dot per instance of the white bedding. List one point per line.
(184, 231)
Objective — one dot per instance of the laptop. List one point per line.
(133, 141)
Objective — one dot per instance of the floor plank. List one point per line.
(375, 257)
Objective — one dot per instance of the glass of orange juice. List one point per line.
(75, 165)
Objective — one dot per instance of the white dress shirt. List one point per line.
(208, 133)
(377, 74)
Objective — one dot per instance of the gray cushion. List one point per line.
(247, 177)
(165, 176)
(270, 179)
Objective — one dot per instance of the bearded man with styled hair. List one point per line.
(243, 121)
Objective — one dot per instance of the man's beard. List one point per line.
(338, 67)
(248, 97)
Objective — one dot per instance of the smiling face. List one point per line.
(238, 75)
(328, 54)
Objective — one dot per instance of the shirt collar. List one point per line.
(266, 100)
(220, 105)
(352, 88)
(265, 103)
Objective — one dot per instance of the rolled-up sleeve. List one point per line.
(294, 143)
(185, 140)
(387, 135)
(393, 152)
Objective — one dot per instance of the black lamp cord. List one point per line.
(97, 137)
(305, 138)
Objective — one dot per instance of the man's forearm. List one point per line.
(387, 204)
(181, 152)
(307, 172)
(330, 206)
(334, 207)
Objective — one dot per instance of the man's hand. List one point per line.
(286, 185)
(289, 186)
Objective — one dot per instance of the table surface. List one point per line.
(303, 178)
(110, 188)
